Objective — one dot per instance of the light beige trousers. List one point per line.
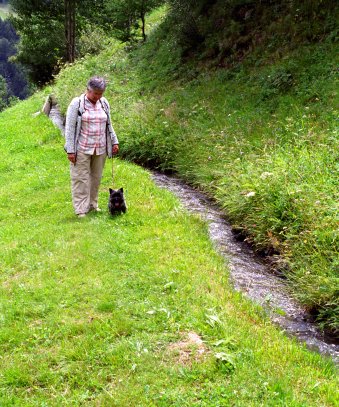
(85, 181)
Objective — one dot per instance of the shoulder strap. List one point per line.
(104, 105)
(81, 107)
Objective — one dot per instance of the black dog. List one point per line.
(116, 201)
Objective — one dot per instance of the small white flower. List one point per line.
(252, 193)
(266, 174)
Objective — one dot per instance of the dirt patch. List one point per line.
(190, 349)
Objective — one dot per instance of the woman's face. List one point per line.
(94, 94)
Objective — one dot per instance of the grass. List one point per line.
(92, 311)
(262, 139)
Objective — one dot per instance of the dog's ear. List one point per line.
(121, 189)
(110, 190)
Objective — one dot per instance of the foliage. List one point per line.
(41, 24)
(3, 93)
(225, 32)
(91, 40)
(129, 16)
(14, 74)
(41, 43)
(42, 27)
(87, 315)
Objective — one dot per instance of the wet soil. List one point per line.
(249, 273)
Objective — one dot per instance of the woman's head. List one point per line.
(96, 83)
(95, 88)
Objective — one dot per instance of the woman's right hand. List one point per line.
(71, 157)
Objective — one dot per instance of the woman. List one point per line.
(90, 138)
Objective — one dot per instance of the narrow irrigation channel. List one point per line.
(249, 273)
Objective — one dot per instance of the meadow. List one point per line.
(130, 310)
(261, 139)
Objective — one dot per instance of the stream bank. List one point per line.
(249, 273)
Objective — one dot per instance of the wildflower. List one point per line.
(266, 174)
(249, 194)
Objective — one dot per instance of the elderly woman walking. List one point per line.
(90, 138)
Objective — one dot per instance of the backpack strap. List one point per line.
(104, 106)
(81, 107)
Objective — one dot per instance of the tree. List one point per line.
(13, 74)
(70, 7)
(126, 16)
(49, 28)
(40, 24)
(3, 93)
(143, 7)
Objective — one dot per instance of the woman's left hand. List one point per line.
(115, 149)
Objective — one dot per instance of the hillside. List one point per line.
(259, 137)
(129, 310)
(133, 310)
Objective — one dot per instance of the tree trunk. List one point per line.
(142, 15)
(143, 27)
(70, 29)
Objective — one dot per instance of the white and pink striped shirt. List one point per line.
(92, 138)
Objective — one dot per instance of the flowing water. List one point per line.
(249, 273)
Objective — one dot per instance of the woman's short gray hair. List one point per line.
(96, 83)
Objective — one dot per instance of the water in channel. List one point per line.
(249, 273)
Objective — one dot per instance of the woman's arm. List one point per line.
(113, 136)
(70, 126)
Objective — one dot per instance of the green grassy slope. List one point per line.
(97, 311)
(262, 139)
